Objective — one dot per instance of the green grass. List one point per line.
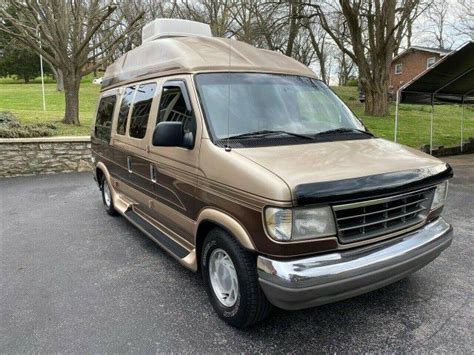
(414, 121)
(25, 102)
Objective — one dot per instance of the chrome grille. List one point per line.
(369, 219)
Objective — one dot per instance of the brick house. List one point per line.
(412, 62)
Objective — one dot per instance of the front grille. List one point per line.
(369, 219)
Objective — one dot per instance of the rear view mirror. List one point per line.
(170, 134)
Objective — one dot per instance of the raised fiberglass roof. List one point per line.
(167, 56)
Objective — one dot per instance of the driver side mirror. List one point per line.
(171, 134)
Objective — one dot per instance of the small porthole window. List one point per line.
(398, 68)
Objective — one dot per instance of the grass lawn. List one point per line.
(25, 102)
(414, 121)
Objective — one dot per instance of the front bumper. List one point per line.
(326, 278)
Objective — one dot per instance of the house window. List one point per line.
(430, 62)
(398, 68)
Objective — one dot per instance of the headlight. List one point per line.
(278, 221)
(440, 194)
(286, 224)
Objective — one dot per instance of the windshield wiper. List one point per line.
(266, 133)
(344, 130)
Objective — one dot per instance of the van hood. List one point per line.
(318, 172)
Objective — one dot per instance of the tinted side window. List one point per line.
(125, 109)
(103, 122)
(141, 109)
(173, 108)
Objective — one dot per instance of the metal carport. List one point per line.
(450, 80)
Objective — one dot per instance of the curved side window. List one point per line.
(125, 109)
(103, 122)
(141, 110)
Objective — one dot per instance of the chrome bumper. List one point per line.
(331, 277)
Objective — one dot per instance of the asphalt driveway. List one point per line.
(73, 279)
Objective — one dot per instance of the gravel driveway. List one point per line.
(73, 279)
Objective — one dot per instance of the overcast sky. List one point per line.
(424, 30)
(456, 16)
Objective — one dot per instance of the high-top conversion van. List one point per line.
(244, 167)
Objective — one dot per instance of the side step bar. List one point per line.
(155, 234)
(124, 206)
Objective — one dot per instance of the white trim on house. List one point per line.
(398, 68)
(440, 52)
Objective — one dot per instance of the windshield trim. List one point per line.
(219, 141)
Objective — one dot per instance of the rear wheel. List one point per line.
(107, 197)
(230, 276)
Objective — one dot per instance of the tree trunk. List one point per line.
(322, 66)
(58, 76)
(376, 100)
(293, 30)
(345, 70)
(71, 91)
(59, 80)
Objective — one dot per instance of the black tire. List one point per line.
(109, 206)
(251, 305)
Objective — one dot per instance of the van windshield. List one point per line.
(255, 105)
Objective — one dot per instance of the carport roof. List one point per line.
(450, 80)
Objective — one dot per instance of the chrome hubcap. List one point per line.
(223, 277)
(107, 196)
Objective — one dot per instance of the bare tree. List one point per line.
(373, 29)
(63, 31)
(436, 23)
(215, 13)
(127, 12)
(319, 42)
(464, 25)
(346, 68)
(58, 76)
(245, 23)
(269, 18)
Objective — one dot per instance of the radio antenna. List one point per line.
(227, 146)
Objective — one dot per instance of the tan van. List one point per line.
(244, 167)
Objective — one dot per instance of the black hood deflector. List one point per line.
(372, 186)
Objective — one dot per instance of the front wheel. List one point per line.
(230, 276)
(107, 197)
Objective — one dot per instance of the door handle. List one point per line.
(129, 164)
(153, 173)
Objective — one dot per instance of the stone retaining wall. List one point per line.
(442, 151)
(49, 155)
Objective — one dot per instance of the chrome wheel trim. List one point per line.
(107, 195)
(223, 277)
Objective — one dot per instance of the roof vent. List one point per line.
(160, 28)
